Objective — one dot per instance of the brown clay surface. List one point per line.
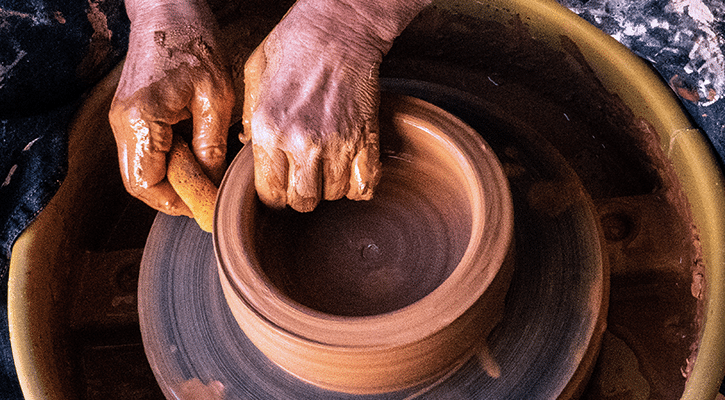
(657, 274)
(639, 208)
(371, 257)
(443, 210)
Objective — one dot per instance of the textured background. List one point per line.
(683, 40)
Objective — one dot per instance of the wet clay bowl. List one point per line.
(369, 297)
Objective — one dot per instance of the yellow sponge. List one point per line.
(191, 183)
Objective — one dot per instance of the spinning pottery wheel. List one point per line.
(374, 296)
(190, 331)
(555, 305)
(549, 337)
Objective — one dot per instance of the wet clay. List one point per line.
(357, 258)
(657, 281)
(381, 295)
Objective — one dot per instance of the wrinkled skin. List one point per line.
(311, 100)
(172, 72)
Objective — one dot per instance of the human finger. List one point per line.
(253, 69)
(163, 197)
(270, 175)
(304, 186)
(211, 109)
(142, 147)
(336, 170)
(366, 168)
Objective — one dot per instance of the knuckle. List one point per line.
(304, 204)
(118, 114)
(212, 151)
(134, 189)
(263, 133)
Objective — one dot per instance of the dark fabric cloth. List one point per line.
(683, 40)
(9, 386)
(51, 51)
(34, 152)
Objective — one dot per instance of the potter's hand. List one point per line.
(173, 71)
(311, 100)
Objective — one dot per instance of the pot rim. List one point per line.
(423, 318)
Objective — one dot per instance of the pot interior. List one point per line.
(351, 258)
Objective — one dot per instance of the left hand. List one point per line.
(173, 71)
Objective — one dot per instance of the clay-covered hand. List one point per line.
(173, 71)
(312, 96)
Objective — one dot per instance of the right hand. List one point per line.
(311, 100)
(173, 71)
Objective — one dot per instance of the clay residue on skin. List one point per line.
(172, 73)
(96, 57)
(363, 178)
(313, 112)
(177, 48)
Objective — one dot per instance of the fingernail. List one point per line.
(275, 199)
(363, 192)
(304, 204)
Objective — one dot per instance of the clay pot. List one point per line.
(368, 297)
